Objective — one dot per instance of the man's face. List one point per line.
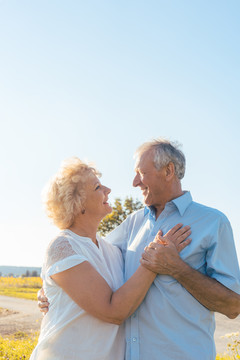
(151, 181)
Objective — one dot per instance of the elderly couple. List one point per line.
(133, 296)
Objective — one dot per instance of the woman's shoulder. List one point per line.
(60, 240)
(59, 248)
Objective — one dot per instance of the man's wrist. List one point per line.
(180, 270)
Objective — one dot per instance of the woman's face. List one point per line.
(96, 203)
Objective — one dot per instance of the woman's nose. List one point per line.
(107, 190)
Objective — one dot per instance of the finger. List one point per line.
(147, 255)
(179, 235)
(145, 263)
(42, 298)
(184, 236)
(161, 241)
(152, 245)
(44, 310)
(183, 244)
(159, 234)
(181, 231)
(175, 228)
(43, 304)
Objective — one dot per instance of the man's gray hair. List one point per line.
(165, 152)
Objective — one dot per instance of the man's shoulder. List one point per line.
(137, 214)
(208, 211)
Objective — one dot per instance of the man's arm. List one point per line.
(208, 291)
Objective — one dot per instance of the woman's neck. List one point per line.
(86, 228)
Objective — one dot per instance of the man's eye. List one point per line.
(98, 187)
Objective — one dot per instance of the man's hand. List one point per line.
(162, 255)
(43, 303)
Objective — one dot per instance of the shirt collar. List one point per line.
(181, 203)
(149, 209)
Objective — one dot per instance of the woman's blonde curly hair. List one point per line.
(64, 196)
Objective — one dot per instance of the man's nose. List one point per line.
(136, 180)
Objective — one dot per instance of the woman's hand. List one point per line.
(178, 235)
(43, 303)
(162, 255)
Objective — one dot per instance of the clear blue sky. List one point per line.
(95, 79)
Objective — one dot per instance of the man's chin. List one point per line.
(146, 202)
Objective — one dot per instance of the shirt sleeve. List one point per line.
(65, 264)
(222, 262)
(61, 256)
(119, 236)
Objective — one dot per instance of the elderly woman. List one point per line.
(83, 274)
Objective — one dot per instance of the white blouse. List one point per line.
(67, 331)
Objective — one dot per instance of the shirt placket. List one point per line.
(135, 340)
(134, 337)
(155, 225)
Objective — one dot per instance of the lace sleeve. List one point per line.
(58, 249)
(60, 256)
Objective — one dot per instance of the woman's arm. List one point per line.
(92, 293)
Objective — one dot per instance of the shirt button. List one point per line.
(134, 339)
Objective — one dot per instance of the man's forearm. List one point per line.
(209, 292)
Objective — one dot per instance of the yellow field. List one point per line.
(26, 287)
(18, 346)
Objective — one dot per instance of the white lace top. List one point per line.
(69, 332)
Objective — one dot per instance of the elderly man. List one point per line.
(176, 320)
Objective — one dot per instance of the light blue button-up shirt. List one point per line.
(170, 323)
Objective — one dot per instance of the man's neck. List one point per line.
(159, 208)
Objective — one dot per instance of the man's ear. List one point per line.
(170, 171)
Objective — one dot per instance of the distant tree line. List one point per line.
(121, 209)
(28, 273)
(33, 273)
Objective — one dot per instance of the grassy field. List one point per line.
(26, 287)
(18, 346)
